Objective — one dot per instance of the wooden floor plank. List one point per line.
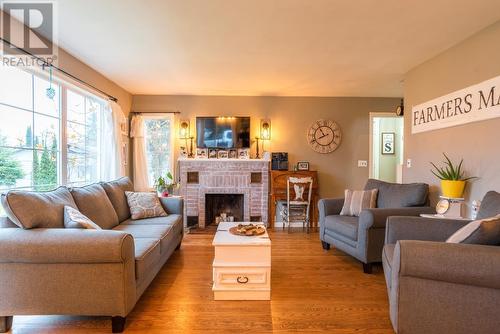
(313, 291)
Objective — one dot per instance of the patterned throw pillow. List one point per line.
(480, 232)
(75, 219)
(358, 200)
(144, 205)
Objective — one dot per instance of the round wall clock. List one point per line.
(324, 136)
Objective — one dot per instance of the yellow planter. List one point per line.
(452, 189)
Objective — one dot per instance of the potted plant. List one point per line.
(165, 185)
(452, 178)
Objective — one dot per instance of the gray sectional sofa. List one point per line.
(47, 269)
(363, 236)
(437, 287)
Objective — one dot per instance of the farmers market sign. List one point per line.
(475, 103)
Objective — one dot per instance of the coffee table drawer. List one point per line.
(242, 277)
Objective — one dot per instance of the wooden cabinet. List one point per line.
(278, 192)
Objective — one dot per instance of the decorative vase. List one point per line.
(452, 188)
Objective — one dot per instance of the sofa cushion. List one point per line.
(159, 232)
(116, 193)
(388, 255)
(490, 205)
(147, 255)
(343, 225)
(168, 220)
(93, 202)
(75, 219)
(144, 205)
(356, 201)
(395, 195)
(29, 209)
(480, 232)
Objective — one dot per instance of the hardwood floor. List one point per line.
(312, 291)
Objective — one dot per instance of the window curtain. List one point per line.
(112, 163)
(140, 162)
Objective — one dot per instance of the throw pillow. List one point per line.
(75, 219)
(144, 205)
(358, 200)
(481, 232)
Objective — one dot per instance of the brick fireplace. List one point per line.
(201, 177)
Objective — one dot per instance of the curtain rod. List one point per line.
(155, 112)
(45, 63)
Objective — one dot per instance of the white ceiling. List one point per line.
(265, 47)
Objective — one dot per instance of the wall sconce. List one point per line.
(265, 129)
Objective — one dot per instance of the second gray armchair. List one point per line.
(363, 236)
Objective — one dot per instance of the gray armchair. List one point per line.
(437, 287)
(363, 236)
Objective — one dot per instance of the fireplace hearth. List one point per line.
(223, 206)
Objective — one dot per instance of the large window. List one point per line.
(158, 132)
(46, 142)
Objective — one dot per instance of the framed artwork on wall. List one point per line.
(388, 143)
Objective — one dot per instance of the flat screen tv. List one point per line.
(223, 132)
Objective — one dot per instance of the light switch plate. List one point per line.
(408, 163)
(362, 163)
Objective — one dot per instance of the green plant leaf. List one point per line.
(450, 165)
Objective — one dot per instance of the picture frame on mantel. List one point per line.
(303, 165)
(244, 153)
(388, 143)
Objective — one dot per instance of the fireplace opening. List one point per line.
(223, 207)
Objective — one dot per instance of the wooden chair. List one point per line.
(297, 209)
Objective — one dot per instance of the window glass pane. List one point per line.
(93, 114)
(16, 127)
(46, 130)
(45, 171)
(76, 169)
(16, 87)
(76, 107)
(157, 136)
(44, 104)
(76, 138)
(15, 168)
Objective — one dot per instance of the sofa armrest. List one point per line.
(330, 206)
(467, 264)
(173, 205)
(55, 245)
(377, 217)
(419, 228)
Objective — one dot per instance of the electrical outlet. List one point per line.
(408, 163)
(362, 163)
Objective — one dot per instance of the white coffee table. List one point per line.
(242, 265)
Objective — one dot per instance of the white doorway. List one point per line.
(386, 147)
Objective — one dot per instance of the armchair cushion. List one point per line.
(28, 209)
(395, 195)
(346, 226)
(358, 200)
(116, 193)
(480, 232)
(490, 205)
(93, 202)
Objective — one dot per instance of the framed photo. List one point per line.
(183, 153)
(303, 165)
(222, 154)
(212, 153)
(388, 143)
(243, 153)
(233, 154)
(201, 153)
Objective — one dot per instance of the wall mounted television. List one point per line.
(223, 132)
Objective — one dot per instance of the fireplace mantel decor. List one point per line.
(229, 176)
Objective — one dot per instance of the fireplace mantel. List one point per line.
(249, 177)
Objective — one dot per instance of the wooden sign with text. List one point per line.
(474, 103)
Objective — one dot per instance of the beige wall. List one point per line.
(470, 62)
(290, 118)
